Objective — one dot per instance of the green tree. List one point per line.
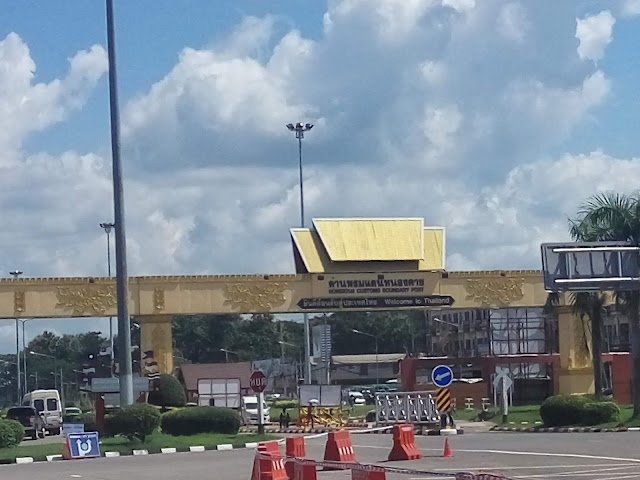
(608, 217)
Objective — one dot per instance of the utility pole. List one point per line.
(15, 274)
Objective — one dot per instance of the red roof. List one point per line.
(192, 372)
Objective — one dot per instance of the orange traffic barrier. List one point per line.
(294, 448)
(368, 472)
(339, 448)
(304, 470)
(447, 451)
(404, 444)
(268, 463)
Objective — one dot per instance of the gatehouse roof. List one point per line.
(367, 244)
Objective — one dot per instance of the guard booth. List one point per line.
(107, 395)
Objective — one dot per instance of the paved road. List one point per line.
(47, 439)
(519, 456)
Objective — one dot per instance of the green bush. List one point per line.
(135, 421)
(595, 413)
(561, 410)
(167, 392)
(190, 421)
(11, 433)
(286, 404)
(89, 421)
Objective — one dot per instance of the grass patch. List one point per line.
(155, 441)
(517, 415)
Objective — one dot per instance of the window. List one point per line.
(39, 405)
(52, 404)
(624, 333)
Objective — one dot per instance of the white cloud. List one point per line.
(448, 110)
(460, 5)
(631, 8)
(594, 33)
(513, 22)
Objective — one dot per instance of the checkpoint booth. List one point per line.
(107, 394)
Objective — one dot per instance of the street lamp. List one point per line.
(300, 128)
(107, 229)
(297, 347)
(37, 354)
(226, 354)
(24, 353)
(375, 337)
(15, 274)
(122, 293)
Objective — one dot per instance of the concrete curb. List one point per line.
(151, 451)
(563, 429)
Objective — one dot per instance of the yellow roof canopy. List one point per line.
(361, 244)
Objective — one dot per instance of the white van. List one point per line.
(250, 410)
(47, 404)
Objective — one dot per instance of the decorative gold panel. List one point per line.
(496, 291)
(90, 299)
(19, 304)
(254, 297)
(158, 298)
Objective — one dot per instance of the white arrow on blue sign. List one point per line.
(442, 376)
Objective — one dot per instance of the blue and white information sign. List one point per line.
(83, 445)
(442, 376)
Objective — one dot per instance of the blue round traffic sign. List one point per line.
(442, 376)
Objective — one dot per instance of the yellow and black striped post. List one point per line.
(443, 400)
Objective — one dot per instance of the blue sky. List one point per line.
(494, 119)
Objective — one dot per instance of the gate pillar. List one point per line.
(156, 344)
(576, 367)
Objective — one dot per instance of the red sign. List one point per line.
(258, 381)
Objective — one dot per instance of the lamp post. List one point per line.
(15, 274)
(24, 354)
(375, 337)
(299, 351)
(300, 129)
(226, 354)
(55, 369)
(122, 293)
(107, 229)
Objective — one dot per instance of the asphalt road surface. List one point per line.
(588, 456)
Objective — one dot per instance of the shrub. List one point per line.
(11, 433)
(135, 421)
(561, 410)
(89, 421)
(286, 404)
(190, 421)
(168, 392)
(599, 412)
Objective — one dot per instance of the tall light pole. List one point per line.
(300, 128)
(359, 332)
(24, 354)
(226, 354)
(16, 274)
(122, 291)
(55, 369)
(107, 229)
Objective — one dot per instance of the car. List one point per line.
(356, 398)
(250, 410)
(72, 412)
(29, 418)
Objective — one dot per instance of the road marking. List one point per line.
(581, 473)
(618, 477)
(533, 454)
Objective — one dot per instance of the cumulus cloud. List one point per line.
(594, 33)
(452, 110)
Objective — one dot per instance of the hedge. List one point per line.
(563, 410)
(167, 392)
(600, 412)
(135, 421)
(11, 433)
(190, 421)
(285, 404)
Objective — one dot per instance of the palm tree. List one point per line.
(615, 217)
